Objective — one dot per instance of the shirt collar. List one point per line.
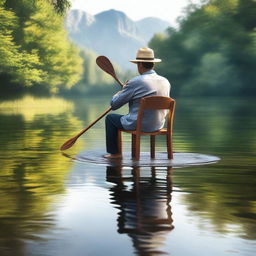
(151, 71)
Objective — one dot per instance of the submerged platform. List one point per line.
(179, 160)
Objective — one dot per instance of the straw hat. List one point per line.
(145, 54)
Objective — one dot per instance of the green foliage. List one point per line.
(18, 63)
(213, 52)
(34, 48)
(32, 177)
(60, 5)
(58, 56)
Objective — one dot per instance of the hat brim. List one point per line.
(141, 60)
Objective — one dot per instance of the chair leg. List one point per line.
(153, 172)
(119, 141)
(152, 145)
(133, 145)
(169, 146)
(137, 147)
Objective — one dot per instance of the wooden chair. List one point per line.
(153, 103)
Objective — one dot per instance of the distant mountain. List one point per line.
(149, 26)
(112, 33)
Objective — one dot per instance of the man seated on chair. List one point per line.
(148, 83)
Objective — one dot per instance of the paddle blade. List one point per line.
(69, 143)
(104, 63)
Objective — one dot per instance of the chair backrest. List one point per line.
(156, 103)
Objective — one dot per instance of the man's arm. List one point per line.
(123, 97)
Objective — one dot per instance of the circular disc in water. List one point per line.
(179, 159)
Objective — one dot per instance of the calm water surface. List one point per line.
(52, 205)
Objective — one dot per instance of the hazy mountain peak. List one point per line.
(113, 17)
(77, 19)
(118, 22)
(112, 33)
(112, 13)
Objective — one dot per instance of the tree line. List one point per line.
(213, 50)
(36, 53)
(34, 49)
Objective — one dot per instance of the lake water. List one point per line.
(53, 205)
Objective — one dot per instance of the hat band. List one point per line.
(138, 58)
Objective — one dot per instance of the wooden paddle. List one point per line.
(105, 64)
(69, 143)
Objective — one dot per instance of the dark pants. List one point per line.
(112, 124)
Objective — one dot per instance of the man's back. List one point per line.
(147, 84)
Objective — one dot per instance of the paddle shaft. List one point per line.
(69, 143)
(105, 64)
(93, 123)
(108, 67)
(121, 84)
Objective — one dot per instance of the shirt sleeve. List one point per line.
(123, 97)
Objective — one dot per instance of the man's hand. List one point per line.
(125, 83)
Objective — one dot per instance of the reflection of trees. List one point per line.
(144, 204)
(215, 125)
(32, 170)
(223, 193)
(224, 196)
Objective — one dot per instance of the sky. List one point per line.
(167, 10)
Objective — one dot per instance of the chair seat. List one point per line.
(159, 132)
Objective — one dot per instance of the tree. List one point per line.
(61, 5)
(16, 63)
(213, 51)
(35, 49)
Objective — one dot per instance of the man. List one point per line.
(148, 83)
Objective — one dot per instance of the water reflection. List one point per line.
(32, 172)
(222, 195)
(221, 126)
(144, 207)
